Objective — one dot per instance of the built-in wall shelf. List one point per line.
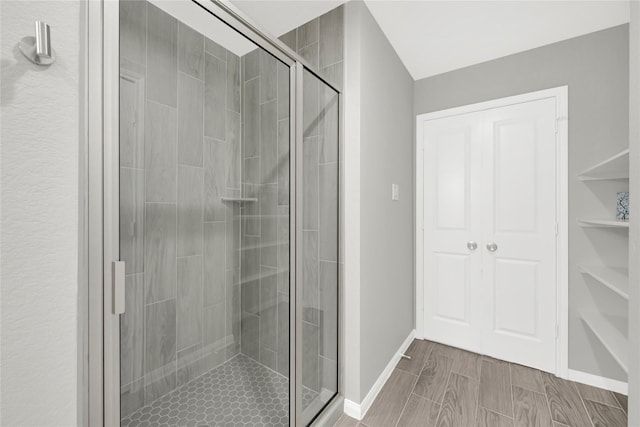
(239, 199)
(610, 337)
(615, 167)
(607, 223)
(614, 278)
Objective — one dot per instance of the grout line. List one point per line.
(407, 401)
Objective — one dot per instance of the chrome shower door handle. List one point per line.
(492, 247)
(471, 245)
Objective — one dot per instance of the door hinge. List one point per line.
(118, 287)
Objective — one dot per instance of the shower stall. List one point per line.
(226, 306)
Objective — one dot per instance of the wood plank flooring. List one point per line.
(442, 386)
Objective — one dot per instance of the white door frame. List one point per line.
(562, 208)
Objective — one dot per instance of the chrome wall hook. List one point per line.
(38, 49)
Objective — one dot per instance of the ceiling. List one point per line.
(433, 37)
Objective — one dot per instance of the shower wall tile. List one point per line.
(232, 330)
(189, 311)
(308, 34)
(268, 225)
(234, 150)
(250, 257)
(251, 64)
(233, 82)
(290, 39)
(250, 335)
(310, 183)
(214, 263)
(310, 356)
(132, 219)
(310, 54)
(160, 252)
(190, 210)
(133, 31)
(213, 48)
(215, 94)
(132, 106)
(268, 77)
(268, 358)
(131, 397)
(190, 120)
(214, 178)
(162, 56)
(269, 142)
(132, 333)
(283, 162)
(282, 239)
(160, 342)
(329, 126)
(160, 152)
(190, 364)
(251, 296)
(310, 105)
(310, 266)
(333, 74)
(328, 374)
(329, 309)
(329, 212)
(251, 118)
(284, 90)
(268, 312)
(331, 37)
(190, 51)
(283, 335)
(233, 237)
(159, 383)
(214, 327)
(188, 300)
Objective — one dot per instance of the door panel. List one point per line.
(490, 178)
(519, 165)
(452, 218)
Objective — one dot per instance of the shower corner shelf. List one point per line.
(239, 199)
(615, 167)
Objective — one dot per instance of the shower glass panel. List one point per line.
(204, 223)
(319, 246)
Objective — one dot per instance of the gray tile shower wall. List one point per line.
(265, 224)
(180, 152)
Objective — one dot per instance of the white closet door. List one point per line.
(452, 214)
(519, 210)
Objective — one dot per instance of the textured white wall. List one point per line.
(40, 139)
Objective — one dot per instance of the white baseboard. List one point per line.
(358, 411)
(598, 381)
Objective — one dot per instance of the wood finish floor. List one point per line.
(445, 386)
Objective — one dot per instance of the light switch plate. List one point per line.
(395, 192)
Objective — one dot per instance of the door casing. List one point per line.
(560, 94)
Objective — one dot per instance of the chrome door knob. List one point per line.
(471, 245)
(492, 247)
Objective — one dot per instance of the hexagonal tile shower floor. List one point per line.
(240, 392)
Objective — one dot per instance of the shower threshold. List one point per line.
(240, 392)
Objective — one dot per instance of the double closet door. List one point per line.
(490, 232)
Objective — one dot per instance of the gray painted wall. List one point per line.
(383, 99)
(596, 69)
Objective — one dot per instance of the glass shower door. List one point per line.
(319, 245)
(204, 221)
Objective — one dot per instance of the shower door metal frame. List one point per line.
(100, 366)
